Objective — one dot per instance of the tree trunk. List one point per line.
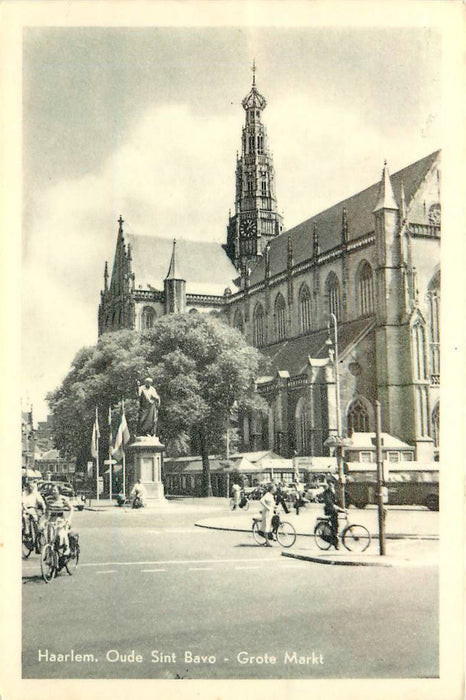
(206, 483)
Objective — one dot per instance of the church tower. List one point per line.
(256, 219)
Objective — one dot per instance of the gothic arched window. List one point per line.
(435, 425)
(365, 289)
(418, 335)
(433, 296)
(147, 318)
(280, 317)
(333, 295)
(305, 323)
(357, 418)
(258, 327)
(302, 426)
(238, 321)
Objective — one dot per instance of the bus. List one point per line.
(408, 483)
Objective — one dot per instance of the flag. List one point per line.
(122, 438)
(95, 436)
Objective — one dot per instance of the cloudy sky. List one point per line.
(145, 122)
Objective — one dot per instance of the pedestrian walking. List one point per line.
(236, 495)
(299, 488)
(280, 497)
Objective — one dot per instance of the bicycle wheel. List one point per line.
(286, 534)
(356, 538)
(323, 535)
(48, 562)
(257, 533)
(72, 563)
(246, 505)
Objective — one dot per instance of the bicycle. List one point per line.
(282, 531)
(243, 503)
(52, 561)
(354, 537)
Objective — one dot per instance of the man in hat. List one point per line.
(149, 402)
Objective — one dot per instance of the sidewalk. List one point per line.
(400, 524)
(411, 536)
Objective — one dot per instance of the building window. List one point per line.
(365, 456)
(280, 318)
(264, 188)
(251, 144)
(258, 326)
(305, 309)
(433, 296)
(147, 318)
(358, 418)
(393, 456)
(302, 427)
(365, 290)
(238, 321)
(250, 184)
(418, 336)
(333, 294)
(260, 144)
(435, 425)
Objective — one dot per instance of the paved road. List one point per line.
(154, 594)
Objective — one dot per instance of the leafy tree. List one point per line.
(202, 368)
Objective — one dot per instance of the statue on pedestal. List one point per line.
(149, 402)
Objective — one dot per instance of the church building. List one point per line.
(345, 305)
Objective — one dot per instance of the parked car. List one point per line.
(45, 489)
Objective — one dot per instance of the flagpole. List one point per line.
(97, 453)
(124, 455)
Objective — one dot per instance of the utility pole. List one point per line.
(339, 436)
(380, 478)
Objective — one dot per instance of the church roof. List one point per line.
(202, 264)
(293, 354)
(360, 218)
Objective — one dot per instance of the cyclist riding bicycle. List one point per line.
(138, 494)
(59, 512)
(331, 509)
(33, 509)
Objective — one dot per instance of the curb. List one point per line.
(336, 562)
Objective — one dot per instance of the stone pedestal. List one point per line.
(147, 466)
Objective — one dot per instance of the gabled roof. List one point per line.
(204, 265)
(294, 353)
(367, 441)
(359, 209)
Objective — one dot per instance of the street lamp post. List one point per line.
(339, 436)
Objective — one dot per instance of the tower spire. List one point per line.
(386, 197)
(171, 274)
(106, 277)
(256, 218)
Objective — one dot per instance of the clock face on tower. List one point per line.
(247, 228)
